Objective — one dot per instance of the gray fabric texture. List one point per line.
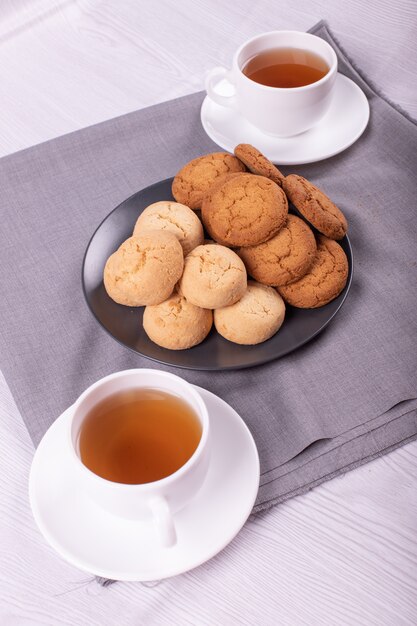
(347, 396)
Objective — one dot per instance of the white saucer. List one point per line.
(109, 546)
(342, 125)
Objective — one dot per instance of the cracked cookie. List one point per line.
(175, 218)
(244, 210)
(257, 163)
(257, 316)
(325, 280)
(177, 324)
(284, 258)
(213, 276)
(144, 269)
(315, 206)
(196, 177)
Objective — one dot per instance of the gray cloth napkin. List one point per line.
(347, 396)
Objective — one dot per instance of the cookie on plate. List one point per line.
(324, 281)
(175, 218)
(257, 316)
(196, 177)
(213, 276)
(144, 269)
(284, 258)
(244, 210)
(257, 163)
(315, 206)
(177, 324)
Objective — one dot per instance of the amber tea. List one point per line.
(285, 67)
(138, 436)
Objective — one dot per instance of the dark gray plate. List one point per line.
(215, 353)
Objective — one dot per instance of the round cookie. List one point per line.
(244, 210)
(196, 177)
(145, 269)
(255, 318)
(315, 206)
(284, 258)
(175, 218)
(213, 276)
(325, 280)
(257, 163)
(177, 324)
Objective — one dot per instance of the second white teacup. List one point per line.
(279, 111)
(156, 501)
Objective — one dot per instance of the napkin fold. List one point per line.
(344, 398)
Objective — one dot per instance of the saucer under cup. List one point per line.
(342, 125)
(112, 547)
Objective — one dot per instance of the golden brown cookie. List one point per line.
(217, 182)
(196, 177)
(325, 280)
(255, 318)
(175, 218)
(244, 210)
(284, 258)
(257, 163)
(177, 324)
(213, 276)
(145, 269)
(315, 206)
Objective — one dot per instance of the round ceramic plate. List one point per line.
(342, 125)
(110, 546)
(215, 353)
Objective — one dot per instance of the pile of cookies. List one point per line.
(187, 282)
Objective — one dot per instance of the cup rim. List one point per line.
(162, 482)
(326, 77)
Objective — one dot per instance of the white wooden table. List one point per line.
(346, 553)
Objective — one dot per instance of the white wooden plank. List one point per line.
(86, 61)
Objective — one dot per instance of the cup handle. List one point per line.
(213, 78)
(164, 521)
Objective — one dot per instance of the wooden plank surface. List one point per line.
(346, 553)
(78, 63)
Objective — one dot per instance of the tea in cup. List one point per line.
(282, 82)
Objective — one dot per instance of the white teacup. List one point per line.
(156, 501)
(278, 111)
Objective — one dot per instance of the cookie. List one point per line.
(177, 324)
(175, 218)
(213, 276)
(145, 269)
(196, 177)
(257, 163)
(325, 280)
(244, 210)
(315, 206)
(255, 318)
(284, 258)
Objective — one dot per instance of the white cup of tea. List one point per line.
(263, 93)
(150, 429)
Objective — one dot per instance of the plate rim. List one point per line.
(208, 368)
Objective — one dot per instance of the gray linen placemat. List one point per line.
(344, 398)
